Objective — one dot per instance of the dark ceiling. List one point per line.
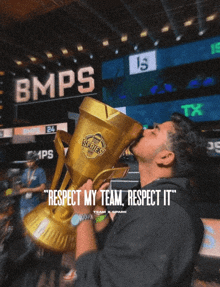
(30, 28)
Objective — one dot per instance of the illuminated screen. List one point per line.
(200, 109)
(189, 53)
(40, 130)
(113, 69)
(169, 57)
(127, 80)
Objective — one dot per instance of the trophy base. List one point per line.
(48, 231)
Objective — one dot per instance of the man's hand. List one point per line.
(85, 236)
(86, 209)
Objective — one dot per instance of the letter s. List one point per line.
(50, 154)
(217, 146)
(88, 80)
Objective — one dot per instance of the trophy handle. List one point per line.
(119, 171)
(61, 137)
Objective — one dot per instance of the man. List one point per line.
(149, 245)
(34, 182)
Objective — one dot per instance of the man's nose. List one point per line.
(146, 131)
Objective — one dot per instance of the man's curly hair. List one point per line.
(188, 145)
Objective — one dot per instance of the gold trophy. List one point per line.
(101, 135)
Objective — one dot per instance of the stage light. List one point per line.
(43, 67)
(209, 81)
(135, 47)
(156, 43)
(202, 32)
(64, 51)
(79, 47)
(169, 88)
(33, 59)
(162, 88)
(165, 29)
(194, 84)
(178, 38)
(211, 17)
(105, 43)
(124, 38)
(49, 55)
(19, 63)
(91, 56)
(154, 90)
(116, 51)
(143, 33)
(74, 60)
(188, 23)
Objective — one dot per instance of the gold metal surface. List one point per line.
(101, 135)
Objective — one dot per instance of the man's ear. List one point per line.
(165, 158)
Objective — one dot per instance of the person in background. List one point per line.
(151, 244)
(33, 184)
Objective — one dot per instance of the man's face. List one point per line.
(153, 141)
(31, 163)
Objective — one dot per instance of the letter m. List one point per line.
(43, 88)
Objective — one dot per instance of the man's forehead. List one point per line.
(168, 126)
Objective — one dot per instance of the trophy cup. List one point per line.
(101, 135)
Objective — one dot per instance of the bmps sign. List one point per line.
(32, 90)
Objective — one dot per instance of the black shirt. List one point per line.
(148, 245)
